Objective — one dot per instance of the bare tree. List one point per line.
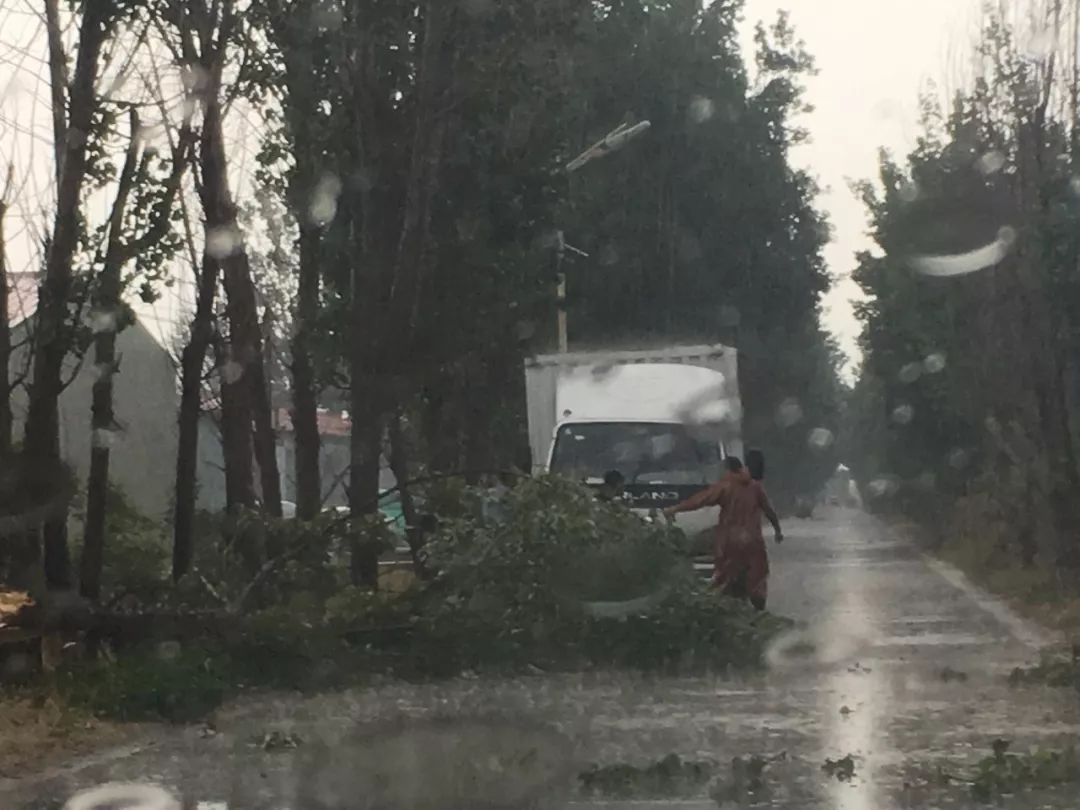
(119, 252)
(42, 444)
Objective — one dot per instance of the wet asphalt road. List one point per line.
(893, 622)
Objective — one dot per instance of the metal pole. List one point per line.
(560, 296)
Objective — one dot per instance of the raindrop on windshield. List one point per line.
(991, 163)
(118, 794)
(882, 487)
(934, 363)
(789, 413)
(231, 372)
(910, 373)
(908, 191)
(702, 109)
(223, 241)
(102, 439)
(1040, 45)
(324, 200)
(820, 438)
(969, 262)
(729, 316)
(903, 414)
(101, 320)
(958, 458)
(327, 16)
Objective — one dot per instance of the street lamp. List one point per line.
(613, 141)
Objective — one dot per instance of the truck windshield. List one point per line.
(645, 453)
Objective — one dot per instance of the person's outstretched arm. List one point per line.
(770, 514)
(710, 496)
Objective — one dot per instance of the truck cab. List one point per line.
(662, 464)
(663, 419)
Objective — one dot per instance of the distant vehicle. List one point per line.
(664, 419)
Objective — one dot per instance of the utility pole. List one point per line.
(613, 141)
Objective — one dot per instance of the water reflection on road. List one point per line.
(882, 626)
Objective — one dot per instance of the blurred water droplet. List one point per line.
(910, 373)
(714, 411)
(608, 255)
(991, 163)
(223, 241)
(195, 79)
(820, 438)
(903, 414)
(102, 439)
(730, 316)
(958, 458)
(324, 200)
(130, 796)
(549, 240)
(524, 330)
(689, 247)
(934, 363)
(168, 650)
(908, 191)
(702, 109)
(926, 480)
(882, 487)
(99, 371)
(1041, 44)
(1074, 186)
(232, 372)
(789, 413)
(101, 321)
(362, 180)
(188, 107)
(327, 16)
(970, 262)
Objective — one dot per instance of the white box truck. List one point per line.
(663, 418)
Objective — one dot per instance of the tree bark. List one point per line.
(102, 416)
(42, 444)
(245, 394)
(399, 465)
(191, 387)
(365, 446)
(305, 416)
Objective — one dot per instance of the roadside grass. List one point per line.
(1039, 592)
(38, 728)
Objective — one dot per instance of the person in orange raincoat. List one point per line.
(741, 563)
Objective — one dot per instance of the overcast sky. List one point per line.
(873, 57)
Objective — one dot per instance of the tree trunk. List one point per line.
(102, 417)
(297, 35)
(191, 388)
(245, 395)
(5, 344)
(399, 465)
(305, 416)
(42, 444)
(365, 446)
